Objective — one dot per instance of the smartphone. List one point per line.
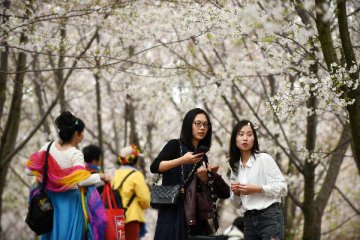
(201, 149)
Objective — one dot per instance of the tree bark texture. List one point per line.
(4, 61)
(324, 31)
(350, 58)
(313, 207)
(37, 90)
(8, 138)
(330, 57)
(98, 116)
(3, 79)
(59, 73)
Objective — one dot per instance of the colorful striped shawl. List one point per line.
(92, 168)
(60, 180)
(95, 214)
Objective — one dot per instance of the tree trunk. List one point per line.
(115, 128)
(327, 46)
(311, 217)
(332, 172)
(291, 219)
(354, 117)
(8, 139)
(126, 117)
(313, 209)
(3, 78)
(134, 139)
(350, 58)
(150, 126)
(324, 30)
(37, 90)
(98, 115)
(59, 73)
(9, 135)
(4, 60)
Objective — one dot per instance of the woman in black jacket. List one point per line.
(177, 162)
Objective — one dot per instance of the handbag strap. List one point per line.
(212, 197)
(182, 169)
(133, 196)
(43, 184)
(126, 178)
(108, 196)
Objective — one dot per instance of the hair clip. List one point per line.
(76, 122)
(253, 125)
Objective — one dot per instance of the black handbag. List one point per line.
(40, 214)
(164, 196)
(167, 196)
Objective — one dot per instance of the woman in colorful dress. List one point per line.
(78, 209)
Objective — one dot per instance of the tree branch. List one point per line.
(8, 158)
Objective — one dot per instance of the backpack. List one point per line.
(118, 198)
(40, 214)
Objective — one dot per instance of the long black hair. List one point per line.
(234, 152)
(186, 129)
(67, 125)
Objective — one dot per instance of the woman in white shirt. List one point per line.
(78, 209)
(257, 185)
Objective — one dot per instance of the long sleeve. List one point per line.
(236, 200)
(170, 151)
(92, 180)
(142, 191)
(78, 160)
(276, 184)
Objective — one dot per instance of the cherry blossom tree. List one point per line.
(132, 69)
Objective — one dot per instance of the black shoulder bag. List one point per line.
(118, 198)
(40, 211)
(168, 196)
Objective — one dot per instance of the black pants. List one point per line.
(264, 224)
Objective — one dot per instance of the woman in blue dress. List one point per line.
(78, 209)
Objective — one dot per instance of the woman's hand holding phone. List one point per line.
(190, 158)
(201, 149)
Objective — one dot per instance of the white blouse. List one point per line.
(69, 158)
(262, 170)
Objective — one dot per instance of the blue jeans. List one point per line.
(264, 224)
